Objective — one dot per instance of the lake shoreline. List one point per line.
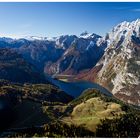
(76, 88)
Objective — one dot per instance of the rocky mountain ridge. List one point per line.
(118, 69)
(51, 54)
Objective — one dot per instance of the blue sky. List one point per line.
(54, 19)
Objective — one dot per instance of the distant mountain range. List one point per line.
(64, 54)
(112, 61)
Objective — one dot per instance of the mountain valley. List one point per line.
(71, 86)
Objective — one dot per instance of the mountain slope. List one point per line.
(14, 68)
(121, 62)
(90, 108)
(21, 105)
(43, 110)
(83, 53)
(42, 52)
(119, 68)
(93, 114)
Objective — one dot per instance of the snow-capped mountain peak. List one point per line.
(32, 38)
(120, 62)
(87, 35)
(124, 32)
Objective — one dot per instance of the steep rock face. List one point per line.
(42, 52)
(120, 71)
(14, 68)
(83, 53)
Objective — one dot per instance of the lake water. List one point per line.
(76, 88)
